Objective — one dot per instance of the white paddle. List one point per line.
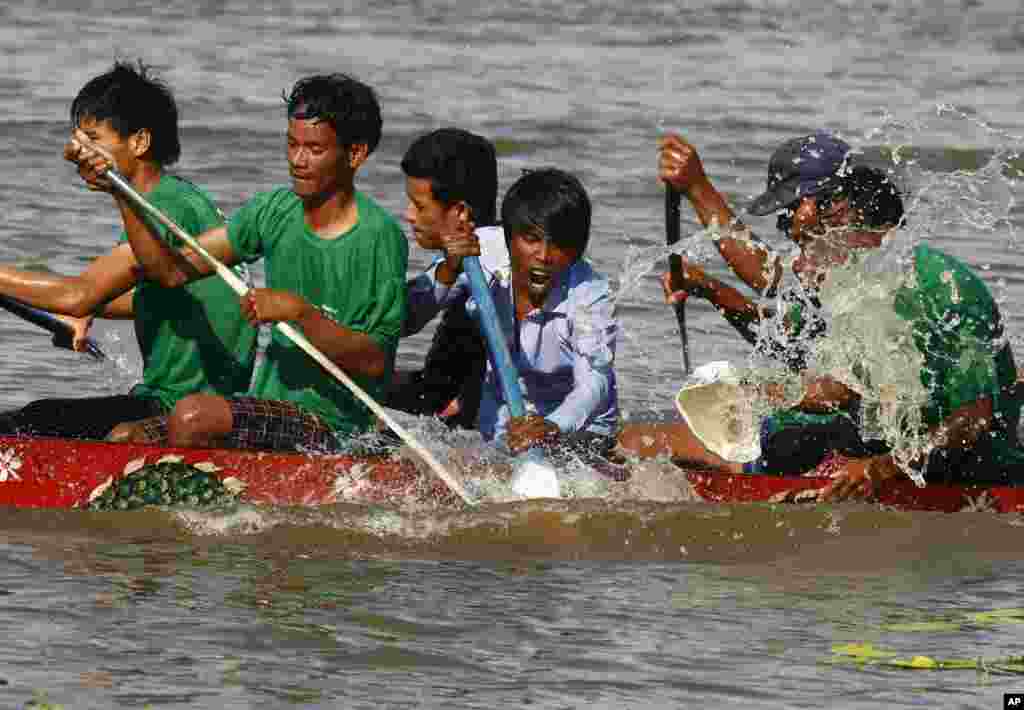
(719, 411)
(291, 333)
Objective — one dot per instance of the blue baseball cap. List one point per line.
(801, 167)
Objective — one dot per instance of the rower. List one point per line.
(335, 264)
(556, 313)
(800, 170)
(451, 175)
(970, 417)
(133, 115)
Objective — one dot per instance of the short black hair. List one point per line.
(551, 200)
(348, 105)
(874, 195)
(460, 166)
(131, 99)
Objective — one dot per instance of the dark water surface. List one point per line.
(584, 603)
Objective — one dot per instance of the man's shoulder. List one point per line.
(944, 285)
(177, 194)
(268, 207)
(583, 272)
(380, 234)
(263, 220)
(928, 259)
(374, 216)
(586, 284)
(936, 268)
(278, 199)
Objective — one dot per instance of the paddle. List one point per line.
(675, 263)
(62, 335)
(290, 332)
(530, 464)
(508, 376)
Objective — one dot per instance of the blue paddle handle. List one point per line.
(508, 377)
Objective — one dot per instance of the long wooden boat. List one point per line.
(63, 473)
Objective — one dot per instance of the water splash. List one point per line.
(959, 178)
(122, 368)
(870, 349)
(487, 471)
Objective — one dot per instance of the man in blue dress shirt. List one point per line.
(556, 311)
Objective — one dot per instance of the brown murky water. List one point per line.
(638, 599)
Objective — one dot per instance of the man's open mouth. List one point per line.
(540, 278)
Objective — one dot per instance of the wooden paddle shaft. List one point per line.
(675, 263)
(289, 331)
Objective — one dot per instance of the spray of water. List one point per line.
(949, 192)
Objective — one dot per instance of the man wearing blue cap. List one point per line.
(970, 415)
(803, 174)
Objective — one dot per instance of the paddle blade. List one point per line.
(719, 412)
(533, 477)
(62, 335)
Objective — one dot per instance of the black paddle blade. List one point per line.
(62, 336)
(65, 340)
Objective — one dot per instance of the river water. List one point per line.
(597, 603)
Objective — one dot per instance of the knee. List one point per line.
(644, 441)
(199, 419)
(638, 440)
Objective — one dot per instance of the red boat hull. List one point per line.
(903, 494)
(63, 473)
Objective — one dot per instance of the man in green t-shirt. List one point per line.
(967, 374)
(335, 265)
(971, 413)
(803, 174)
(191, 340)
(962, 427)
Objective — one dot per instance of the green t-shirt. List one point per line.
(193, 339)
(958, 329)
(357, 279)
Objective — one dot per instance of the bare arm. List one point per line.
(750, 260)
(121, 308)
(741, 312)
(106, 278)
(163, 263)
(964, 426)
(825, 394)
(351, 350)
(820, 395)
(680, 167)
(959, 431)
